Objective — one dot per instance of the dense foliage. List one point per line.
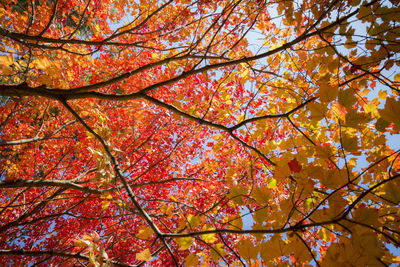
(181, 132)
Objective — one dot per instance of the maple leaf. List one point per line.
(294, 165)
(145, 255)
(192, 260)
(153, 132)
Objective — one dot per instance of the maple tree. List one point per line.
(153, 132)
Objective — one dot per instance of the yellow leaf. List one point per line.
(350, 143)
(333, 178)
(167, 209)
(318, 110)
(209, 238)
(236, 194)
(382, 95)
(261, 215)
(92, 259)
(367, 215)
(327, 92)
(392, 190)
(105, 204)
(236, 224)
(247, 250)
(324, 152)
(391, 111)
(308, 203)
(45, 79)
(184, 242)
(87, 237)
(154, 56)
(245, 74)
(5, 64)
(145, 255)
(364, 12)
(347, 98)
(272, 249)
(282, 170)
(261, 194)
(82, 243)
(217, 252)
(144, 232)
(381, 125)
(107, 195)
(397, 77)
(299, 249)
(192, 260)
(336, 204)
(272, 183)
(324, 234)
(41, 63)
(353, 118)
(193, 221)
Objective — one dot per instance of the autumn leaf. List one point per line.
(193, 220)
(282, 170)
(144, 232)
(105, 204)
(391, 111)
(6, 62)
(381, 125)
(272, 249)
(192, 260)
(217, 252)
(145, 255)
(184, 242)
(350, 143)
(247, 250)
(294, 165)
(209, 238)
(82, 243)
(318, 111)
(261, 194)
(397, 77)
(327, 92)
(164, 133)
(347, 98)
(41, 63)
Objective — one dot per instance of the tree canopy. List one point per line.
(190, 132)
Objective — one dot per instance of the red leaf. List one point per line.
(354, 68)
(294, 165)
